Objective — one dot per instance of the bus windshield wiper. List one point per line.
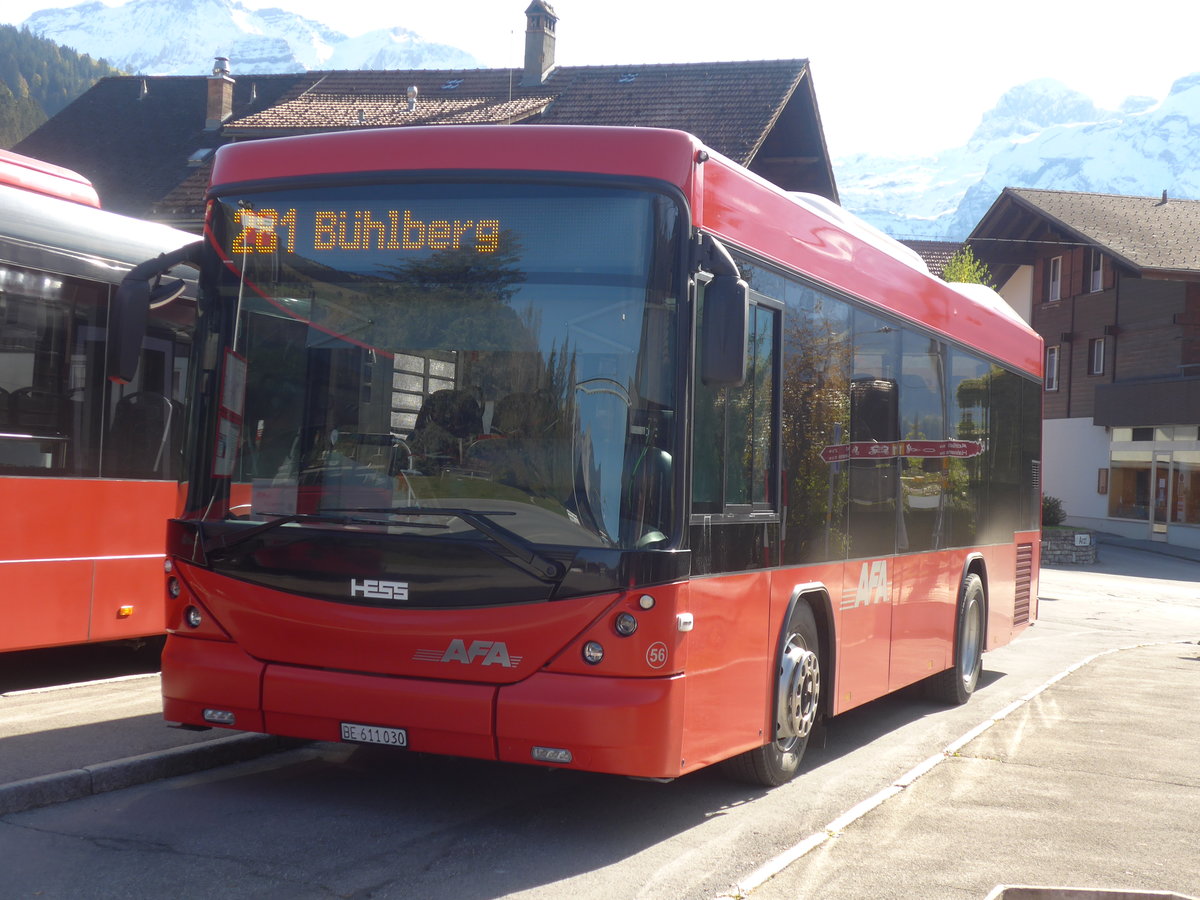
(219, 542)
(524, 557)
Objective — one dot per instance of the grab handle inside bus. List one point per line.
(141, 288)
(724, 317)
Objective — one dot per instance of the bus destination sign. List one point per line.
(323, 230)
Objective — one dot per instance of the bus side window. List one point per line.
(874, 422)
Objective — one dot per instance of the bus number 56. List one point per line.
(656, 655)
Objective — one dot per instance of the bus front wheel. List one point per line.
(797, 704)
(955, 685)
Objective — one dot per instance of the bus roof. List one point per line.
(43, 178)
(663, 154)
(49, 234)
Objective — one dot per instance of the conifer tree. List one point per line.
(37, 79)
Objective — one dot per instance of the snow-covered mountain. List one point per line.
(1039, 135)
(181, 37)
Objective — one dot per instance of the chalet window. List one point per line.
(1095, 270)
(1096, 356)
(1052, 368)
(1053, 286)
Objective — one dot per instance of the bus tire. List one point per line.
(955, 685)
(796, 703)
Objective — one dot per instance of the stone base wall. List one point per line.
(1068, 546)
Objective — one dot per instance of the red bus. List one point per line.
(583, 447)
(88, 469)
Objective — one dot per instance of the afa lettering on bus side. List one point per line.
(873, 586)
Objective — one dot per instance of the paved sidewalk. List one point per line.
(59, 744)
(1094, 782)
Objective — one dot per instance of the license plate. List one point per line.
(374, 734)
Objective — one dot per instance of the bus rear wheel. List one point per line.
(797, 705)
(955, 685)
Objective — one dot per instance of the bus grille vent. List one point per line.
(1024, 583)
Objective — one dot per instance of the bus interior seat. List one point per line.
(140, 438)
(37, 411)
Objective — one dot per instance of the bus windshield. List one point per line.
(509, 350)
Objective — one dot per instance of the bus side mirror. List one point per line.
(725, 326)
(141, 288)
(724, 317)
(126, 328)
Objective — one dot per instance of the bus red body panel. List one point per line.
(626, 726)
(726, 704)
(489, 645)
(200, 674)
(663, 154)
(439, 717)
(90, 583)
(87, 471)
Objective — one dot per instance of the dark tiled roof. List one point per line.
(135, 149)
(1150, 235)
(730, 106)
(935, 253)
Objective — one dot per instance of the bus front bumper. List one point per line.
(621, 726)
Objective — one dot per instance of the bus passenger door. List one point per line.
(874, 518)
(733, 536)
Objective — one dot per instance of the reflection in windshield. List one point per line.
(523, 362)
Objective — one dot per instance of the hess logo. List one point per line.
(379, 590)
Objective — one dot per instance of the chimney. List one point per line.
(539, 43)
(220, 95)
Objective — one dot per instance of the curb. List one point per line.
(100, 778)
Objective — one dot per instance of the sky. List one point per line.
(891, 78)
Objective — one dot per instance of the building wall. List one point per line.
(1149, 343)
(1144, 318)
(1149, 329)
(1073, 453)
(1018, 291)
(1091, 314)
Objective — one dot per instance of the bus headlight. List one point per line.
(593, 653)
(626, 624)
(192, 616)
